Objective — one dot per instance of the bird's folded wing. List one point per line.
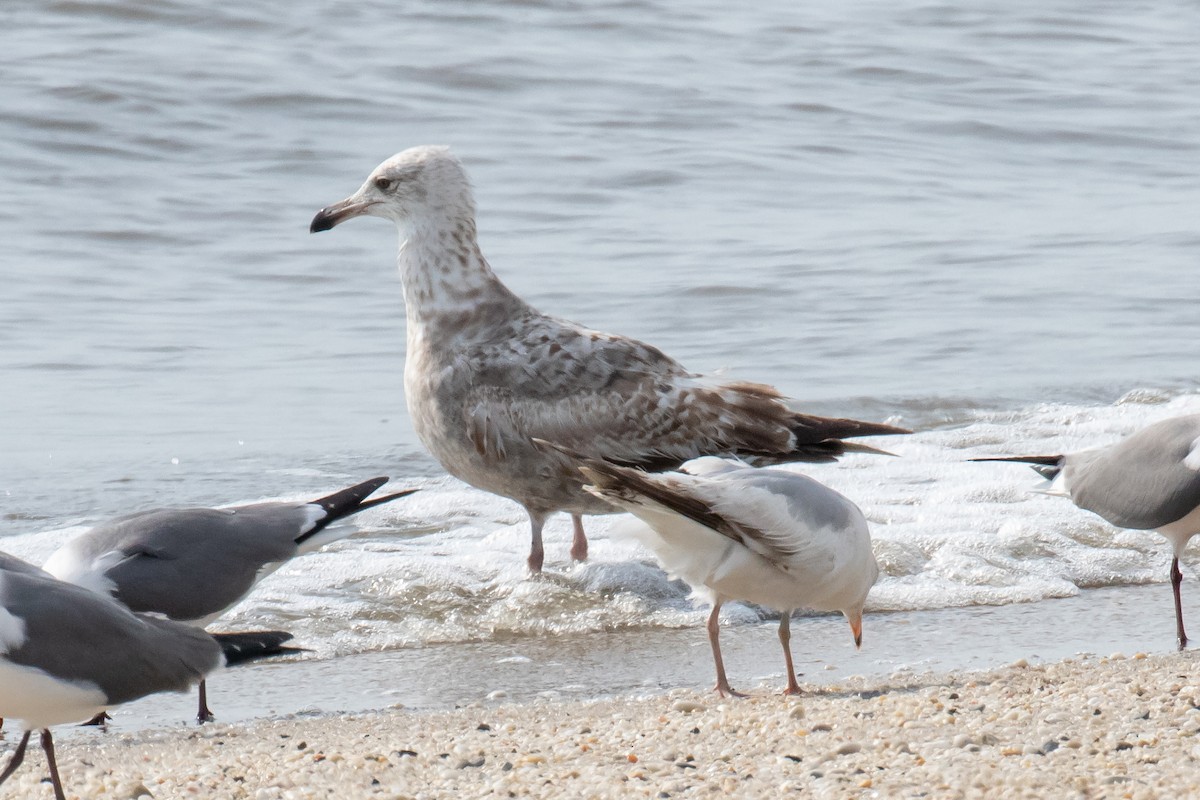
(76, 635)
(610, 397)
(799, 522)
(702, 500)
(190, 563)
(1145, 482)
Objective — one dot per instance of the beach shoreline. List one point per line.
(647, 661)
(1096, 727)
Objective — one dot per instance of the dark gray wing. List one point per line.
(14, 564)
(74, 634)
(1146, 481)
(627, 485)
(192, 563)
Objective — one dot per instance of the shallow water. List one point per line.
(446, 565)
(978, 222)
(899, 648)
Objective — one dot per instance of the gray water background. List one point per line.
(913, 208)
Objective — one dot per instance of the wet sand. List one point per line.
(1125, 619)
(922, 710)
(1112, 727)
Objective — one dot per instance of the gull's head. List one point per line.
(859, 589)
(854, 617)
(412, 184)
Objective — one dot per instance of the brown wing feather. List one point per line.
(626, 402)
(631, 485)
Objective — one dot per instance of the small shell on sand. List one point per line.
(1017, 731)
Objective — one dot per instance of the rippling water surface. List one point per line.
(979, 221)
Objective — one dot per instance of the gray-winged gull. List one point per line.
(486, 372)
(733, 532)
(194, 564)
(67, 653)
(1148, 481)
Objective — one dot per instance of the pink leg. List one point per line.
(17, 758)
(536, 554)
(55, 781)
(714, 632)
(1176, 579)
(785, 638)
(579, 550)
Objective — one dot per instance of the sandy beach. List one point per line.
(1110, 727)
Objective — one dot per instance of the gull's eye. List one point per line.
(383, 184)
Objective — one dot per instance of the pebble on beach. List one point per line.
(1099, 728)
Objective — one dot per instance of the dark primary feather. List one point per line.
(347, 502)
(632, 485)
(245, 646)
(1046, 466)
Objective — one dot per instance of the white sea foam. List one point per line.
(447, 564)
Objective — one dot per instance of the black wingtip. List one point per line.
(1045, 461)
(1046, 466)
(347, 500)
(254, 645)
(879, 429)
(351, 500)
(387, 498)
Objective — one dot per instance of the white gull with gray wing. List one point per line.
(1148, 481)
(194, 564)
(67, 653)
(732, 532)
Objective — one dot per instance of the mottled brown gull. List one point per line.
(1148, 481)
(486, 372)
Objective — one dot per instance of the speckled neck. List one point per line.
(448, 286)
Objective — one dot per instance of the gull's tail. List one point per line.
(819, 439)
(751, 416)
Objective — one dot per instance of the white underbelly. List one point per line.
(40, 700)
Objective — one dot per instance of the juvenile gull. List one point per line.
(733, 532)
(1148, 481)
(67, 653)
(194, 564)
(486, 372)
